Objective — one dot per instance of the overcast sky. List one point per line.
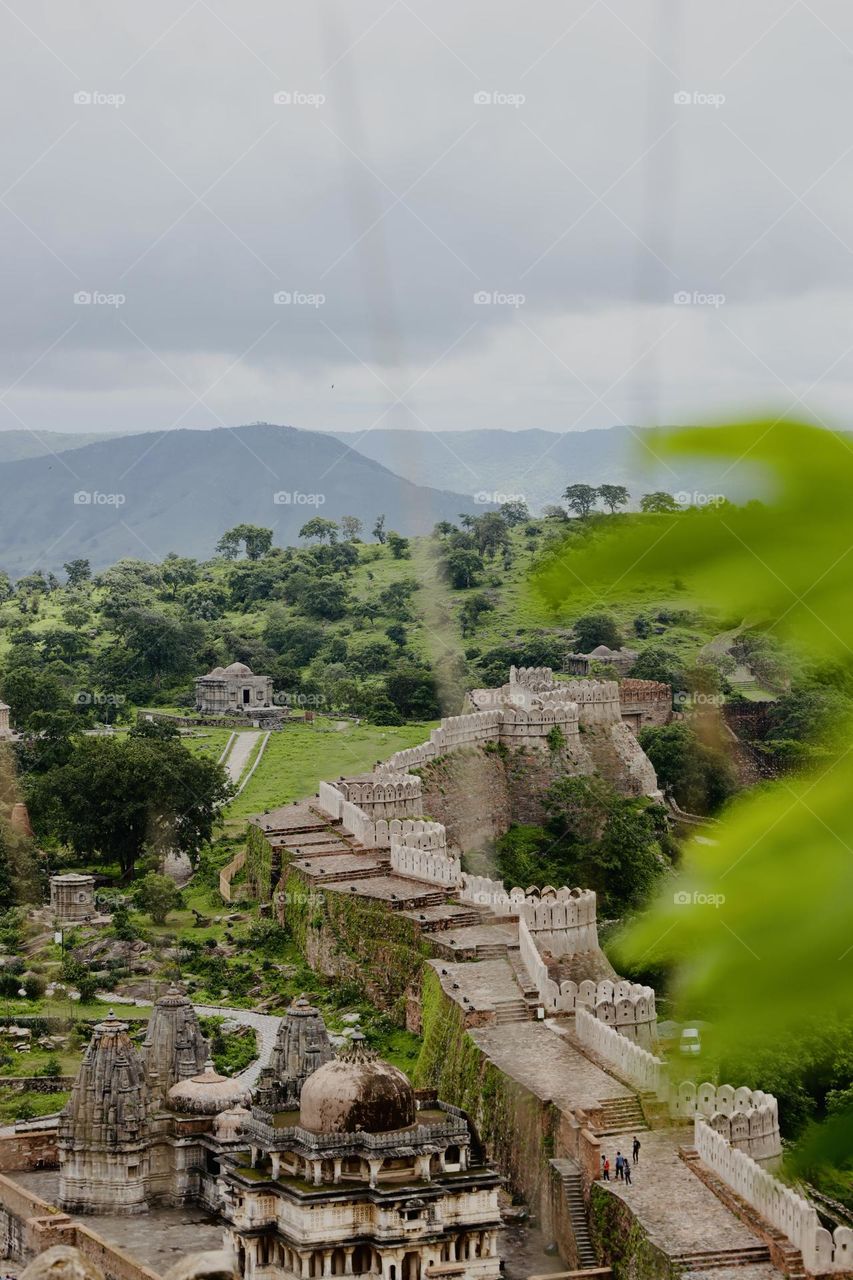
(580, 163)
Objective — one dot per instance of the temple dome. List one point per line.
(356, 1091)
(238, 669)
(228, 1124)
(207, 1094)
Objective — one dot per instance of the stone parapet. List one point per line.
(629, 1060)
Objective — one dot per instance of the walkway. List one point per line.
(240, 754)
(266, 1027)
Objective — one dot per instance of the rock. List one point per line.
(217, 1264)
(60, 1263)
(351, 1017)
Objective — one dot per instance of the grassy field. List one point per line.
(299, 757)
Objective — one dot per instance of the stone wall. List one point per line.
(627, 1060)
(23, 1151)
(823, 1251)
(748, 1119)
(645, 702)
(29, 1226)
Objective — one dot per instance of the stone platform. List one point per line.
(158, 1238)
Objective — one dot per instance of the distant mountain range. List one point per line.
(540, 464)
(108, 496)
(146, 495)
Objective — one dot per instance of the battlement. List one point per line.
(386, 795)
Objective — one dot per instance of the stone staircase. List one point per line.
(620, 1116)
(522, 977)
(707, 1260)
(491, 951)
(507, 1011)
(570, 1176)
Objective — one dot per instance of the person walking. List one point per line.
(626, 1169)
(636, 1150)
(605, 1168)
(619, 1165)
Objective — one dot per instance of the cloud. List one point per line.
(598, 160)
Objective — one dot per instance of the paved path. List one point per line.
(241, 750)
(680, 1214)
(547, 1065)
(266, 1027)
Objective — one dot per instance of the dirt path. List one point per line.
(241, 753)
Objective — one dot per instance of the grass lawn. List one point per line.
(300, 756)
(20, 1106)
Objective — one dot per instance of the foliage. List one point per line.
(594, 838)
(115, 800)
(759, 924)
(157, 895)
(697, 772)
(593, 629)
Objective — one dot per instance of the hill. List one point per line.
(146, 495)
(537, 465)
(15, 445)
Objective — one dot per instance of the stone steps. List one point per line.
(621, 1115)
(707, 1260)
(573, 1190)
(522, 977)
(507, 1011)
(491, 950)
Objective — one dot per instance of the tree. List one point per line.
(379, 529)
(255, 540)
(491, 532)
(157, 895)
(613, 496)
(472, 611)
(594, 629)
(699, 775)
(442, 529)
(515, 512)
(321, 529)
(659, 663)
(78, 571)
(555, 513)
(30, 691)
(178, 571)
(581, 498)
(115, 800)
(296, 639)
(161, 645)
(463, 568)
(351, 527)
(399, 546)
(660, 502)
(397, 634)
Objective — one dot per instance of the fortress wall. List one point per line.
(645, 702)
(747, 1118)
(823, 1251)
(432, 865)
(629, 1060)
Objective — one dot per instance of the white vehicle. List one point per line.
(691, 1042)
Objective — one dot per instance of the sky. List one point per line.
(439, 216)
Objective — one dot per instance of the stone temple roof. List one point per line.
(174, 1048)
(207, 1094)
(109, 1100)
(356, 1091)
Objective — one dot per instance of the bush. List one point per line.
(51, 1068)
(35, 985)
(594, 629)
(157, 895)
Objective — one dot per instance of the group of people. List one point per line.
(623, 1164)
